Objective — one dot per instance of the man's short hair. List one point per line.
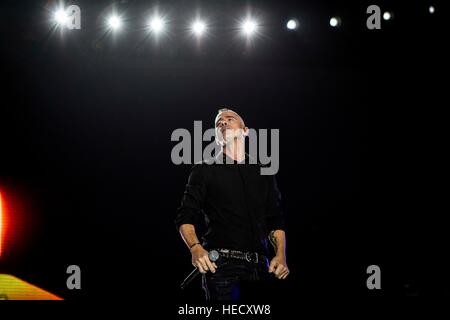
(228, 109)
(223, 110)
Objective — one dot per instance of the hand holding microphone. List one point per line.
(203, 260)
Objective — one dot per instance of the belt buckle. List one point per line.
(248, 257)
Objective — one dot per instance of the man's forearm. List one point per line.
(188, 234)
(278, 240)
(200, 257)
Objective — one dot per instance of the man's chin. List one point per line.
(224, 141)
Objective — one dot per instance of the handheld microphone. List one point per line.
(213, 256)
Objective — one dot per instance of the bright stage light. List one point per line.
(156, 24)
(61, 17)
(335, 22)
(114, 22)
(387, 15)
(431, 9)
(198, 27)
(292, 24)
(249, 27)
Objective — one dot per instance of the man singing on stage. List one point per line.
(241, 209)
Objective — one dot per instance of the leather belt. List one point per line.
(251, 257)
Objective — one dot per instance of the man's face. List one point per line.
(229, 126)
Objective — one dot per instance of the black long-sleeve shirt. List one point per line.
(239, 205)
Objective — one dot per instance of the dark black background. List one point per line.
(86, 119)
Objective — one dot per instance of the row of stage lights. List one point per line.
(248, 27)
(158, 24)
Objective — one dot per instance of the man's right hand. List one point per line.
(200, 259)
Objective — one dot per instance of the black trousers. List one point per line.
(226, 283)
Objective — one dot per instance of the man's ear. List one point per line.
(245, 131)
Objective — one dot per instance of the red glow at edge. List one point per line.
(1, 225)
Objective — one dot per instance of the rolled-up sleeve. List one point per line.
(190, 210)
(274, 214)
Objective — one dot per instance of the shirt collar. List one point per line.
(227, 159)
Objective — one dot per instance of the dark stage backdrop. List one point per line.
(86, 121)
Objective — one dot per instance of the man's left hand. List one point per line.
(279, 267)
